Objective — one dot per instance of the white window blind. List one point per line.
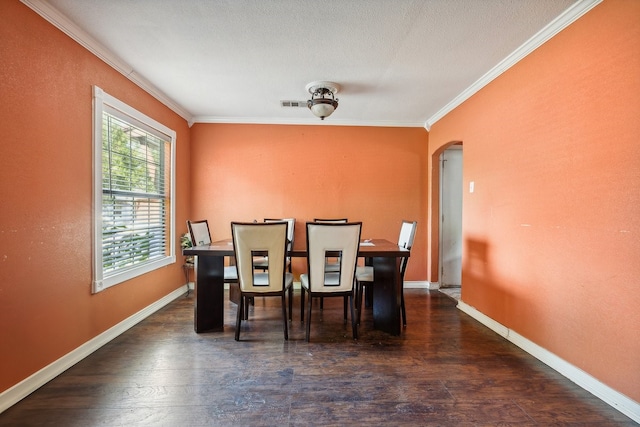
(133, 185)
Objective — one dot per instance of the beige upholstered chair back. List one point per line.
(332, 240)
(199, 232)
(407, 234)
(291, 224)
(405, 240)
(331, 220)
(251, 240)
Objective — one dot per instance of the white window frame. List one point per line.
(101, 281)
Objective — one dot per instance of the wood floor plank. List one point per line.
(444, 369)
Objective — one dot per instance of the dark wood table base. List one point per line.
(386, 294)
(209, 294)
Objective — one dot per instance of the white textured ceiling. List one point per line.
(399, 62)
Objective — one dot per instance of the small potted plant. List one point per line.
(185, 242)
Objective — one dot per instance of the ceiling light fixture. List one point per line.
(323, 101)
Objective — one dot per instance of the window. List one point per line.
(133, 184)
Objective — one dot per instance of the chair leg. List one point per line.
(291, 303)
(302, 304)
(358, 300)
(239, 316)
(284, 317)
(354, 323)
(345, 303)
(186, 276)
(367, 294)
(404, 314)
(308, 332)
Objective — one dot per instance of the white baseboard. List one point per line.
(617, 400)
(420, 285)
(30, 384)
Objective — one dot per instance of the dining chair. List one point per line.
(325, 240)
(199, 232)
(200, 236)
(332, 263)
(365, 274)
(291, 224)
(258, 239)
(262, 262)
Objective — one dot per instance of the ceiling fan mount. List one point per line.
(323, 101)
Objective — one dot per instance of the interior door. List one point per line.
(451, 217)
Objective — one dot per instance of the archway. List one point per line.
(446, 231)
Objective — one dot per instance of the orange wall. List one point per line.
(373, 175)
(551, 230)
(46, 308)
(551, 233)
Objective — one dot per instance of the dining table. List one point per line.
(383, 255)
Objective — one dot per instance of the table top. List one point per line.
(368, 248)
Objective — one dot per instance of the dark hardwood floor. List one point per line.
(446, 369)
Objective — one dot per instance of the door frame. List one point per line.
(433, 261)
(454, 146)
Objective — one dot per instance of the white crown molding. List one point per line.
(568, 17)
(311, 121)
(53, 16)
(617, 400)
(30, 384)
